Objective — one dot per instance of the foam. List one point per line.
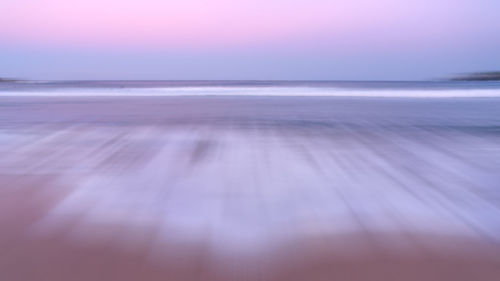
(259, 91)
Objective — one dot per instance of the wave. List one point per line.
(258, 91)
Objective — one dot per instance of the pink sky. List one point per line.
(185, 23)
(363, 29)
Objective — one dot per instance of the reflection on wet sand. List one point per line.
(249, 189)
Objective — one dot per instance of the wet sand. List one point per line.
(249, 188)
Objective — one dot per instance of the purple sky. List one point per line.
(248, 39)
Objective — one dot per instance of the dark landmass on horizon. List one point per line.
(8, 80)
(479, 76)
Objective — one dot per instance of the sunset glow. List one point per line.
(292, 31)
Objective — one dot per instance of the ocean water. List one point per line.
(426, 89)
(245, 166)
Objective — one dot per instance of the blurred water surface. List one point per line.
(297, 187)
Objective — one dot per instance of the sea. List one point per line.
(247, 166)
(426, 89)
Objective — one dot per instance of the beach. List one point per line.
(249, 187)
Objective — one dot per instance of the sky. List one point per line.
(247, 39)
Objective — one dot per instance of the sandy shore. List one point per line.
(249, 189)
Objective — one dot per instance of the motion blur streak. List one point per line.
(249, 188)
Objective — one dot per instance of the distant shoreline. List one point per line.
(9, 80)
(479, 76)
